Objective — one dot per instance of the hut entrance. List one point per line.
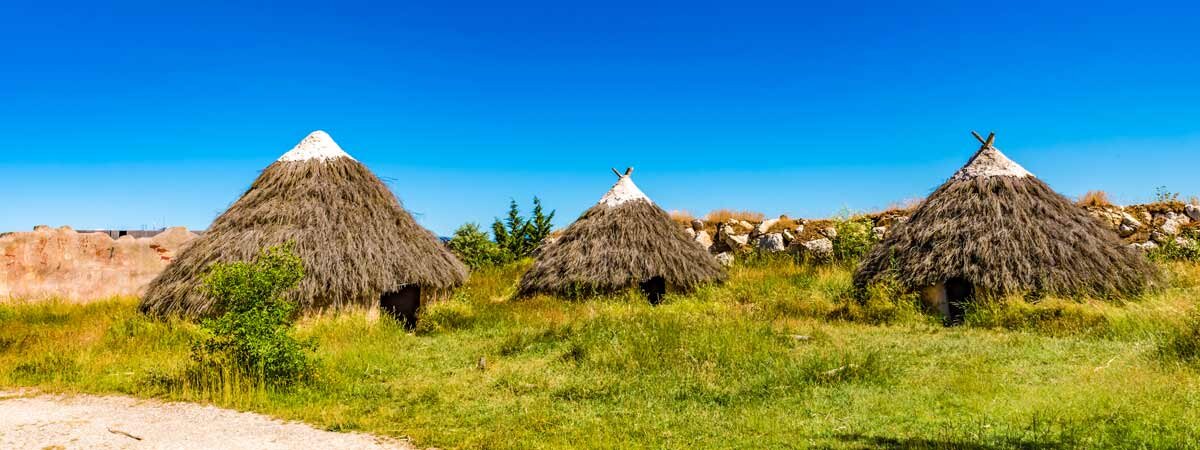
(403, 305)
(654, 288)
(958, 292)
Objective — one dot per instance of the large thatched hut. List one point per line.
(995, 229)
(625, 240)
(359, 245)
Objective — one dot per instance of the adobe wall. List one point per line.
(80, 267)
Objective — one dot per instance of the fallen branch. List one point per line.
(122, 433)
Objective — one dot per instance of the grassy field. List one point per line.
(780, 356)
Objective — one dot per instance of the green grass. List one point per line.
(780, 356)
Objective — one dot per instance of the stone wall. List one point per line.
(1143, 227)
(63, 264)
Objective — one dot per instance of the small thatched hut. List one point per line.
(624, 240)
(995, 229)
(358, 244)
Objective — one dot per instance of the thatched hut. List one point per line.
(995, 229)
(625, 240)
(359, 246)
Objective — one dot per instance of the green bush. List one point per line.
(1174, 251)
(254, 332)
(474, 249)
(854, 238)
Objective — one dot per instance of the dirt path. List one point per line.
(91, 422)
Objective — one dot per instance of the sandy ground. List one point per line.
(91, 422)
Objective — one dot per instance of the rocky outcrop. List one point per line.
(816, 249)
(64, 264)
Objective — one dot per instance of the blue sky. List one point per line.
(144, 114)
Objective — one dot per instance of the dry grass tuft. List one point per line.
(681, 216)
(722, 215)
(1094, 199)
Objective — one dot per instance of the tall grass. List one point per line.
(782, 355)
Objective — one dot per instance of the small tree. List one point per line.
(473, 247)
(539, 227)
(520, 236)
(510, 234)
(254, 331)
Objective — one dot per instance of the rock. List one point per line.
(725, 258)
(818, 249)
(697, 225)
(1145, 217)
(799, 230)
(690, 232)
(1185, 242)
(771, 242)
(1192, 211)
(829, 232)
(1158, 236)
(1173, 223)
(1111, 218)
(765, 226)
(879, 232)
(735, 241)
(1144, 246)
(1125, 230)
(703, 239)
(788, 237)
(41, 228)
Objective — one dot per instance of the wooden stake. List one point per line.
(615, 172)
(628, 171)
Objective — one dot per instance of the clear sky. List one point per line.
(144, 114)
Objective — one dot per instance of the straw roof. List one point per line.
(1002, 229)
(355, 238)
(621, 241)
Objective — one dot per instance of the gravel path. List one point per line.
(91, 422)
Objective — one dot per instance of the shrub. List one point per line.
(475, 249)
(254, 332)
(854, 238)
(1175, 251)
(681, 217)
(1096, 199)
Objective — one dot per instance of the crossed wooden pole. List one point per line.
(628, 171)
(986, 143)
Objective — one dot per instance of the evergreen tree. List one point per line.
(540, 226)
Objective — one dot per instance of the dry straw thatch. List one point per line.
(356, 240)
(998, 227)
(623, 240)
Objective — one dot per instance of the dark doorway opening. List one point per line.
(958, 293)
(654, 288)
(403, 305)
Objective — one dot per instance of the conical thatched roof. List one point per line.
(996, 226)
(623, 240)
(354, 237)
